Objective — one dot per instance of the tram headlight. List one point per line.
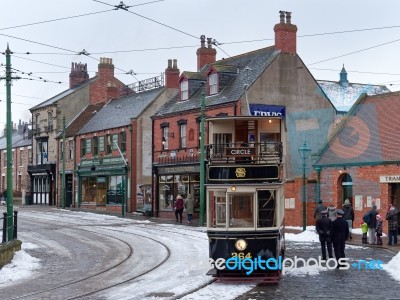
(241, 244)
(233, 188)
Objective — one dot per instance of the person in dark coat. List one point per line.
(391, 217)
(179, 205)
(323, 227)
(320, 207)
(348, 215)
(339, 235)
(372, 226)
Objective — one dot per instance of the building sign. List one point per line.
(389, 178)
(178, 170)
(228, 174)
(267, 110)
(240, 152)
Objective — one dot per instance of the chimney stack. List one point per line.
(285, 33)
(205, 55)
(172, 75)
(112, 90)
(106, 68)
(78, 74)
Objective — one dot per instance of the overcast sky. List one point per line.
(369, 54)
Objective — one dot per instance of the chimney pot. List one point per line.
(209, 42)
(203, 41)
(282, 16)
(175, 64)
(288, 17)
(169, 63)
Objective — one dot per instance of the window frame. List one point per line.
(184, 89)
(213, 83)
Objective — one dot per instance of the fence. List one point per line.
(6, 227)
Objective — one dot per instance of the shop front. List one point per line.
(42, 183)
(174, 180)
(103, 184)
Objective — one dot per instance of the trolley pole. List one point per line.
(10, 227)
(202, 171)
(63, 167)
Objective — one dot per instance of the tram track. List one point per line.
(98, 275)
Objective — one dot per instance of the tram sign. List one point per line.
(227, 174)
(240, 152)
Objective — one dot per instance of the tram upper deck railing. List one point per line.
(259, 153)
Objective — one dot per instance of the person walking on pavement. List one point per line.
(339, 234)
(323, 227)
(391, 217)
(372, 225)
(179, 208)
(318, 210)
(189, 206)
(348, 215)
(379, 227)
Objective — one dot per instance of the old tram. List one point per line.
(244, 192)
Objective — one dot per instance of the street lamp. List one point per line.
(304, 152)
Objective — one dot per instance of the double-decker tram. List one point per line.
(244, 194)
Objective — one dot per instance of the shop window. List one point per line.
(116, 189)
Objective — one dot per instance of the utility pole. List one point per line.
(125, 182)
(202, 171)
(10, 225)
(63, 166)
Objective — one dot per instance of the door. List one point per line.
(68, 186)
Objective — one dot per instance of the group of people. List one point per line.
(331, 233)
(181, 204)
(335, 228)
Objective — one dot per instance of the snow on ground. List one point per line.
(24, 266)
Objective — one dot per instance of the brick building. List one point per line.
(21, 157)
(267, 81)
(47, 119)
(361, 160)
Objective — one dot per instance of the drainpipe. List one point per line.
(318, 169)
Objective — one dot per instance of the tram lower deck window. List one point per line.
(266, 208)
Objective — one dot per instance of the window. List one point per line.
(71, 149)
(101, 143)
(184, 90)
(88, 145)
(108, 146)
(95, 145)
(182, 131)
(122, 136)
(41, 152)
(83, 147)
(114, 142)
(213, 83)
(165, 138)
(49, 121)
(241, 210)
(266, 208)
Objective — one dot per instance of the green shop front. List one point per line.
(103, 184)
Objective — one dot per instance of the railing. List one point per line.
(5, 226)
(259, 153)
(186, 155)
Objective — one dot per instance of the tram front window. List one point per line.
(266, 208)
(241, 211)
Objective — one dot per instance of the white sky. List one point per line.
(224, 20)
(25, 266)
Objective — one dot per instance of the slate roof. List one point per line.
(63, 94)
(119, 112)
(344, 96)
(368, 134)
(257, 61)
(17, 141)
(82, 119)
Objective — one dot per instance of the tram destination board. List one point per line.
(227, 174)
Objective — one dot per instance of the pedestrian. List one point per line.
(391, 217)
(348, 215)
(5, 195)
(179, 208)
(332, 213)
(317, 212)
(189, 206)
(378, 230)
(364, 231)
(339, 235)
(370, 219)
(323, 227)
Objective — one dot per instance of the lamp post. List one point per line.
(304, 152)
(202, 175)
(63, 167)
